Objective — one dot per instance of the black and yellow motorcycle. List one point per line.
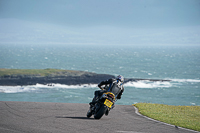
(103, 105)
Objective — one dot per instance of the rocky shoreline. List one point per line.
(67, 80)
(87, 78)
(66, 77)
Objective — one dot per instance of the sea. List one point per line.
(178, 63)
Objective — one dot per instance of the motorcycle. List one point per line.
(103, 105)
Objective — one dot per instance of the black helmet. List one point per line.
(120, 78)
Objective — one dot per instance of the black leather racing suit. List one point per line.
(112, 85)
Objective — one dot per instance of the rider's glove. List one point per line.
(99, 85)
(118, 97)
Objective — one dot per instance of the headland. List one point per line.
(14, 77)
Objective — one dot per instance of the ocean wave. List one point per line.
(16, 89)
(147, 84)
(185, 80)
(135, 84)
(159, 84)
(37, 87)
(69, 86)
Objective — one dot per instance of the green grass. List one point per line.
(41, 72)
(182, 116)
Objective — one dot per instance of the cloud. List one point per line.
(19, 31)
(100, 21)
(134, 13)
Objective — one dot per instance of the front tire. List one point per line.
(101, 112)
(89, 113)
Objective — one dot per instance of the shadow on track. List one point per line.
(83, 118)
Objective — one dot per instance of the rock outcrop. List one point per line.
(68, 79)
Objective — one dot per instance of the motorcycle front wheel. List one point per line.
(89, 113)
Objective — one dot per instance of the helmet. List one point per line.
(120, 78)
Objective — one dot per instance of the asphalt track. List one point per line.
(32, 117)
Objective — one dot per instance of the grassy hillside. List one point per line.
(40, 72)
(183, 116)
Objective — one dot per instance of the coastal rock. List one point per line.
(79, 78)
(68, 77)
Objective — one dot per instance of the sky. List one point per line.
(131, 22)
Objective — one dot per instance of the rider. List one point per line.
(113, 85)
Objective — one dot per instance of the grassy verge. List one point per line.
(182, 116)
(41, 72)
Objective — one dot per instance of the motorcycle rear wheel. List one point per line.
(100, 112)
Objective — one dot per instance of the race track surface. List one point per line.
(32, 117)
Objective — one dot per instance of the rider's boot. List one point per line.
(95, 99)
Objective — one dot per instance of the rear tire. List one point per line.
(101, 112)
